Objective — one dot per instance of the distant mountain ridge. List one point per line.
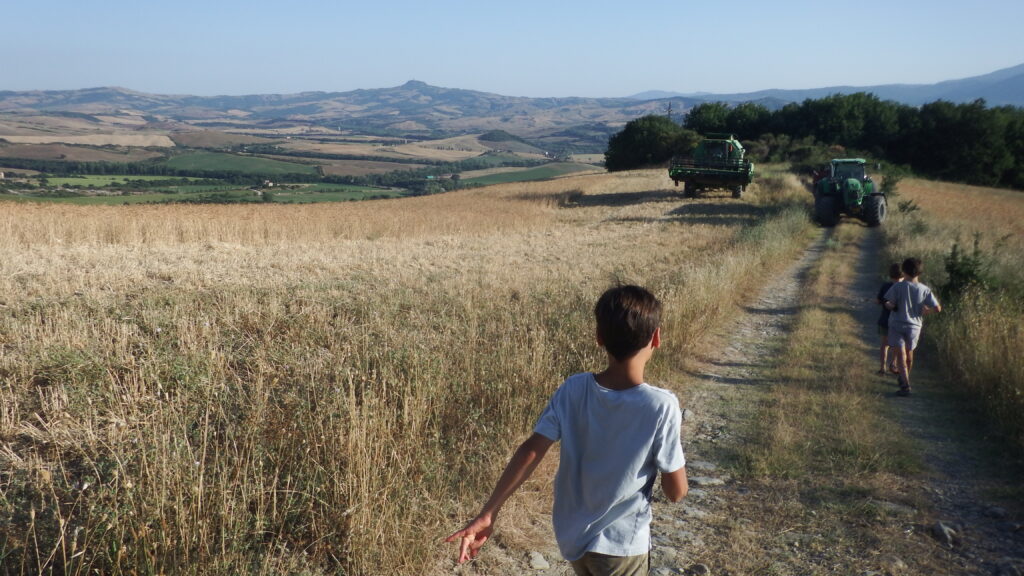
(412, 107)
(418, 108)
(1003, 87)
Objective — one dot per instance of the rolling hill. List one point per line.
(419, 110)
(414, 107)
(1000, 88)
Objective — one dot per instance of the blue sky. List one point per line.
(521, 48)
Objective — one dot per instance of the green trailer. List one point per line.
(718, 162)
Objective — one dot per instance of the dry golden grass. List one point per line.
(322, 389)
(970, 207)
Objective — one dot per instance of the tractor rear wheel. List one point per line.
(874, 210)
(737, 191)
(825, 211)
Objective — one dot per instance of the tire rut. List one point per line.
(724, 395)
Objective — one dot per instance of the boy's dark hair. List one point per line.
(627, 317)
(912, 267)
(895, 271)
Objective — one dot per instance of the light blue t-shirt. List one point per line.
(613, 445)
(910, 299)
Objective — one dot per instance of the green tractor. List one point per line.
(845, 188)
(717, 162)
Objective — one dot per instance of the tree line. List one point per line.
(969, 143)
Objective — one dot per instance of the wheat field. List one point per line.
(323, 389)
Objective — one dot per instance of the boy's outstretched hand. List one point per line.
(518, 469)
(472, 537)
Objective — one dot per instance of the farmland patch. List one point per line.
(212, 161)
(144, 140)
(547, 171)
(75, 153)
(363, 167)
(214, 139)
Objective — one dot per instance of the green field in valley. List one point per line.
(99, 181)
(222, 194)
(547, 171)
(216, 161)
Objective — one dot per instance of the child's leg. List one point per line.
(902, 366)
(883, 352)
(912, 338)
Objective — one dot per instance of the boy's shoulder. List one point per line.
(585, 382)
(919, 287)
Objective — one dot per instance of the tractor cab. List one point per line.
(843, 168)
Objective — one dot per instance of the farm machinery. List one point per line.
(845, 188)
(717, 162)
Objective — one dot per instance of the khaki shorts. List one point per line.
(594, 564)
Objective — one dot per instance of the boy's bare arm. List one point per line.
(674, 484)
(518, 470)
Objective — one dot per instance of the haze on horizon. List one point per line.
(529, 48)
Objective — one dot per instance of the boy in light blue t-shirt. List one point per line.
(617, 433)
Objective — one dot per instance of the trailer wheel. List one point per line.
(690, 189)
(737, 192)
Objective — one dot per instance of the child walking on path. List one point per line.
(910, 301)
(617, 433)
(895, 275)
